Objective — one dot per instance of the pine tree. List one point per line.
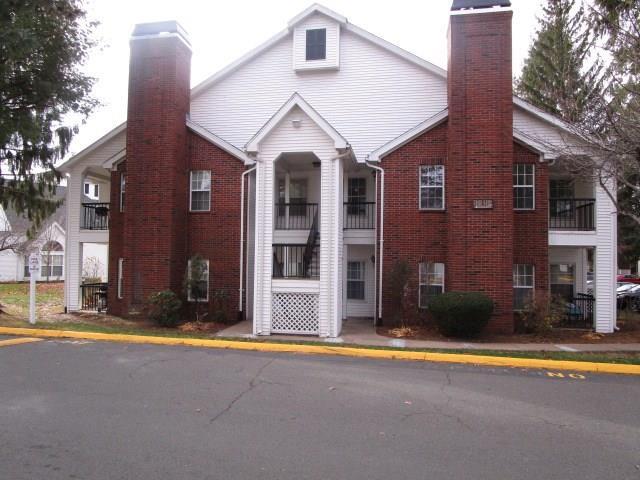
(555, 77)
(43, 44)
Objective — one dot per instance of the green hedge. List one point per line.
(461, 314)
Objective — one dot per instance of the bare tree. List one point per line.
(92, 268)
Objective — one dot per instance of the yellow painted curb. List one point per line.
(593, 367)
(18, 341)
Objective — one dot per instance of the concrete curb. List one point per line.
(470, 359)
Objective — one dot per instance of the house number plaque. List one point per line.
(482, 204)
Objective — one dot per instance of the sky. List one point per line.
(222, 31)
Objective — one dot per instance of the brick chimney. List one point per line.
(480, 154)
(154, 243)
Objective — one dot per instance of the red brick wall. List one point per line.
(411, 234)
(154, 218)
(421, 236)
(480, 156)
(531, 228)
(116, 242)
(215, 235)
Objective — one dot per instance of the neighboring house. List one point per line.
(304, 171)
(49, 243)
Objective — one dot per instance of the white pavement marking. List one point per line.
(565, 348)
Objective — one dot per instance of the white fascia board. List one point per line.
(101, 141)
(219, 142)
(557, 122)
(296, 101)
(114, 160)
(407, 136)
(530, 142)
(316, 7)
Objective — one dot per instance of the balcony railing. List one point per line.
(571, 213)
(580, 312)
(289, 261)
(359, 215)
(94, 296)
(295, 216)
(95, 216)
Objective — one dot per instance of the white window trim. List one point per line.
(444, 173)
(191, 190)
(120, 276)
(123, 184)
(362, 279)
(424, 283)
(189, 297)
(533, 186)
(533, 283)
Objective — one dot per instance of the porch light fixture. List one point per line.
(296, 122)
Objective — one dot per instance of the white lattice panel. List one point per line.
(295, 313)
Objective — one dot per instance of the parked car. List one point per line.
(628, 278)
(628, 296)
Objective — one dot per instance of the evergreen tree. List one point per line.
(554, 77)
(43, 44)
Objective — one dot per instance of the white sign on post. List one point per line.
(34, 266)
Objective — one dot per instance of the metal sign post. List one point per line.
(34, 266)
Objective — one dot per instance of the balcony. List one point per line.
(575, 214)
(359, 215)
(295, 216)
(95, 216)
(295, 261)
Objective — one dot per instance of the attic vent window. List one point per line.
(317, 44)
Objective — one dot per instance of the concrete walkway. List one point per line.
(361, 332)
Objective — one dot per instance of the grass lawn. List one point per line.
(15, 300)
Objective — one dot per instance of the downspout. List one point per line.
(241, 290)
(380, 254)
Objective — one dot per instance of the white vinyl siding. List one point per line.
(523, 186)
(430, 282)
(392, 94)
(200, 196)
(432, 187)
(523, 281)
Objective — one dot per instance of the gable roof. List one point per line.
(344, 24)
(19, 223)
(219, 142)
(296, 100)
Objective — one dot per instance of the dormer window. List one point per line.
(316, 44)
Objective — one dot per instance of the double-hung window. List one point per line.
(198, 275)
(123, 182)
(200, 191)
(316, 44)
(522, 286)
(432, 187)
(120, 277)
(355, 280)
(523, 186)
(430, 282)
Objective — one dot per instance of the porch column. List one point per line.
(263, 247)
(606, 262)
(73, 247)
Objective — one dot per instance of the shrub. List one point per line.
(461, 314)
(542, 315)
(164, 308)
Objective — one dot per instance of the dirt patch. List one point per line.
(628, 322)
